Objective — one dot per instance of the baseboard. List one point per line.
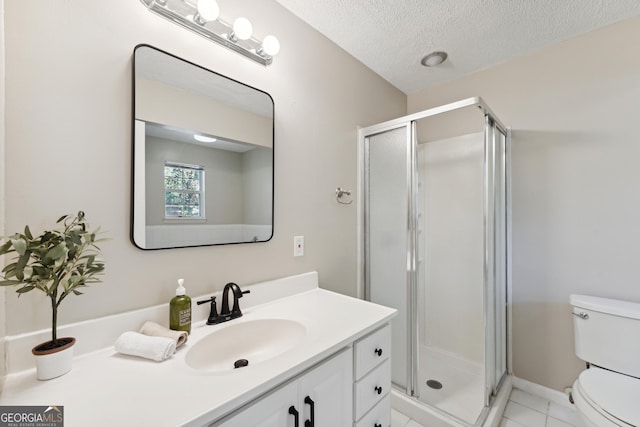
(539, 390)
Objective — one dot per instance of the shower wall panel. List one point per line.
(451, 245)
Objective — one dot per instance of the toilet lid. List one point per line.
(617, 394)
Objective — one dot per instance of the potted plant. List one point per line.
(58, 262)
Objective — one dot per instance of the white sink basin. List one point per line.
(254, 341)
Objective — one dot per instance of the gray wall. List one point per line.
(68, 132)
(257, 167)
(576, 204)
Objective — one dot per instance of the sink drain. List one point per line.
(436, 385)
(240, 363)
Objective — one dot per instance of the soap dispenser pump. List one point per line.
(180, 310)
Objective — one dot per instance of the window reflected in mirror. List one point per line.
(183, 191)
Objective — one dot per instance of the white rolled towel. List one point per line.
(154, 348)
(156, 330)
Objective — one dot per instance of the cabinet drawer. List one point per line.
(379, 416)
(372, 350)
(372, 388)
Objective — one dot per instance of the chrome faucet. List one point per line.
(225, 313)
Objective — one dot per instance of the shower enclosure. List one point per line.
(433, 244)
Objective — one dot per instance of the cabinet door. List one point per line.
(328, 388)
(270, 411)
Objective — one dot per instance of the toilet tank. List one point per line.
(607, 333)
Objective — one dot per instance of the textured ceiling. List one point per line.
(392, 36)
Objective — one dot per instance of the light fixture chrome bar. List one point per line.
(182, 13)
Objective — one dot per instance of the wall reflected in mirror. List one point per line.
(202, 156)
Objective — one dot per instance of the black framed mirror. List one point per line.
(203, 153)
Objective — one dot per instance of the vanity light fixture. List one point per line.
(201, 17)
(203, 138)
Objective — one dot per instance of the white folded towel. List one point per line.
(156, 330)
(154, 348)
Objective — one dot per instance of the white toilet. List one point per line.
(607, 336)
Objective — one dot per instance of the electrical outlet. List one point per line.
(298, 245)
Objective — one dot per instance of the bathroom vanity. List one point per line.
(338, 391)
(315, 356)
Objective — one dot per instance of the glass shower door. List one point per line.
(388, 237)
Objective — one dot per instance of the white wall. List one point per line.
(68, 133)
(574, 109)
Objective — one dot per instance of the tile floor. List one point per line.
(401, 420)
(523, 410)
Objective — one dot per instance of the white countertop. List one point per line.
(105, 388)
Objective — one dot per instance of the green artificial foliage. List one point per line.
(58, 262)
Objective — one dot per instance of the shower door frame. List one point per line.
(493, 127)
(409, 122)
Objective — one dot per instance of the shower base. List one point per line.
(427, 415)
(462, 381)
(459, 402)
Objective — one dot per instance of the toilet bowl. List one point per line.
(607, 336)
(607, 399)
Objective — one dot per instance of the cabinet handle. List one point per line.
(292, 411)
(378, 389)
(378, 351)
(311, 403)
(377, 425)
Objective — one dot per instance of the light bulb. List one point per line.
(270, 45)
(242, 29)
(208, 9)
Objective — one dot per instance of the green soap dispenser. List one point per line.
(180, 310)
